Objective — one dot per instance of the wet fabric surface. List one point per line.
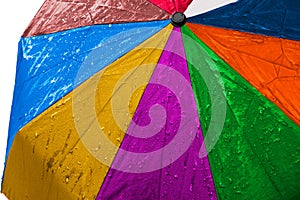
(50, 66)
(270, 64)
(189, 177)
(257, 153)
(273, 18)
(55, 155)
(172, 6)
(95, 116)
(59, 15)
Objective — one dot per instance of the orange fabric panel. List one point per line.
(270, 64)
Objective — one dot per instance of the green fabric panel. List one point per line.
(257, 155)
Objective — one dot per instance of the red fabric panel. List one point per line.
(60, 15)
(172, 6)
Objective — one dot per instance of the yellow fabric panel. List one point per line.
(49, 158)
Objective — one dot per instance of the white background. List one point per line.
(15, 15)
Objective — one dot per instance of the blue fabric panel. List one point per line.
(49, 65)
(278, 18)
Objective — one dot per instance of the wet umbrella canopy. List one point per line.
(134, 100)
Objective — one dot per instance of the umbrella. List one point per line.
(132, 100)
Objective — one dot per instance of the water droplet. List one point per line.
(261, 137)
(222, 185)
(277, 140)
(227, 139)
(261, 110)
(67, 179)
(108, 133)
(238, 191)
(165, 193)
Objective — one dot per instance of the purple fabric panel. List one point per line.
(188, 176)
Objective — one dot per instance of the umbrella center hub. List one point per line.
(178, 19)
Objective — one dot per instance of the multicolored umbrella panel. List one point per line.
(132, 100)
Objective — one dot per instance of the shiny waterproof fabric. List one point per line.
(56, 15)
(112, 101)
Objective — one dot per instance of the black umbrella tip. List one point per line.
(178, 19)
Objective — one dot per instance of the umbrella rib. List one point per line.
(140, 63)
(266, 173)
(254, 153)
